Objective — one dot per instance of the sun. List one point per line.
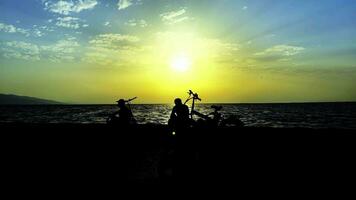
(181, 63)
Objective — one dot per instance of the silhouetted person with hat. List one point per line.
(124, 116)
(179, 116)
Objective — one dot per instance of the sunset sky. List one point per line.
(96, 51)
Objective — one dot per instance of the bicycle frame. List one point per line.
(192, 96)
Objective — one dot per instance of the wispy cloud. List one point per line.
(278, 53)
(66, 7)
(36, 31)
(113, 40)
(281, 50)
(107, 24)
(174, 17)
(62, 50)
(134, 22)
(112, 49)
(123, 4)
(70, 22)
(21, 50)
(8, 28)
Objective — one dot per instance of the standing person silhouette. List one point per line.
(124, 112)
(179, 116)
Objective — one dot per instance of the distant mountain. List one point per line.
(9, 99)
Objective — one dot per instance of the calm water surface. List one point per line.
(308, 115)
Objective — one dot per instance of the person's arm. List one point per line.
(187, 111)
(173, 113)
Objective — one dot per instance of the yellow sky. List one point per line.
(239, 51)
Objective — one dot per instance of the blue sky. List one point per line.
(304, 50)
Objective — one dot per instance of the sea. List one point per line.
(277, 115)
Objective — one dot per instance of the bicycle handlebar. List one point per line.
(127, 101)
(195, 95)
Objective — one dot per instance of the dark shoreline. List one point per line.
(252, 103)
(149, 154)
(151, 128)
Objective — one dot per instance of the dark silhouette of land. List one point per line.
(90, 153)
(10, 99)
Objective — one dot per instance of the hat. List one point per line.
(120, 101)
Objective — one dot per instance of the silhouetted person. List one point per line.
(124, 116)
(179, 116)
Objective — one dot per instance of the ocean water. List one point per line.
(306, 115)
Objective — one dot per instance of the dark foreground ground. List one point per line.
(98, 154)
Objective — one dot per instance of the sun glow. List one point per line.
(182, 60)
(181, 63)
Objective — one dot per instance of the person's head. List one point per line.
(121, 103)
(178, 101)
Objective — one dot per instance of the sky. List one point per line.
(229, 51)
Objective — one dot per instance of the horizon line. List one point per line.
(58, 102)
(222, 103)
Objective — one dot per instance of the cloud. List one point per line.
(174, 17)
(244, 8)
(133, 22)
(8, 28)
(223, 51)
(113, 41)
(173, 14)
(85, 5)
(224, 45)
(39, 31)
(21, 50)
(70, 22)
(35, 31)
(62, 50)
(66, 7)
(278, 53)
(281, 50)
(107, 24)
(123, 4)
(112, 49)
